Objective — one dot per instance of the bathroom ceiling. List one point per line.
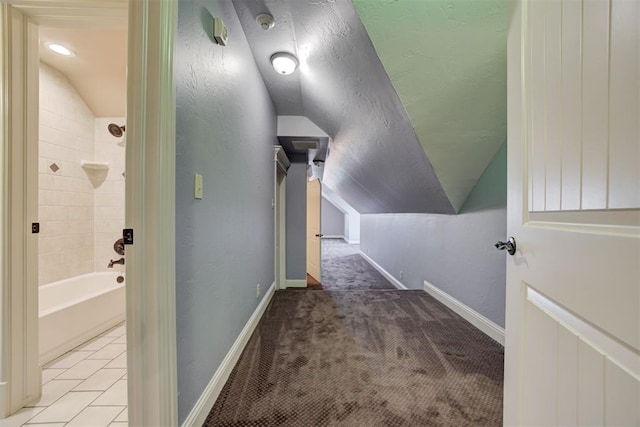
(376, 162)
(98, 69)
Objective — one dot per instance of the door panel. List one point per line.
(573, 286)
(313, 228)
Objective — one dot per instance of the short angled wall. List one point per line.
(203, 406)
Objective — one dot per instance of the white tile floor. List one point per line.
(86, 387)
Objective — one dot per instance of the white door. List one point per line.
(314, 191)
(573, 285)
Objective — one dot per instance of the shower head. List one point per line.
(116, 130)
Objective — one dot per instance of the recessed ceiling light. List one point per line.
(60, 49)
(284, 63)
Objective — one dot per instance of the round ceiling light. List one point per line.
(60, 49)
(284, 63)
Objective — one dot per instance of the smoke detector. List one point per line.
(265, 21)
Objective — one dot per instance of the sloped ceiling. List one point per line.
(447, 61)
(376, 162)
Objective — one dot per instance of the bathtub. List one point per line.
(75, 310)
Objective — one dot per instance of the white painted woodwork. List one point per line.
(20, 379)
(281, 165)
(150, 211)
(624, 110)
(572, 353)
(314, 193)
(583, 67)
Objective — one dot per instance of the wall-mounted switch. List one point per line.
(197, 186)
(258, 291)
(220, 34)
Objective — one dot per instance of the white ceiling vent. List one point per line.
(304, 145)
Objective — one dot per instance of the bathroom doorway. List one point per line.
(73, 180)
(81, 210)
(150, 289)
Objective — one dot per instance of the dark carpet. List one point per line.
(343, 268)
(363, 358)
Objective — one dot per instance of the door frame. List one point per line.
(282, 164)
(150, 202)
(20, 379)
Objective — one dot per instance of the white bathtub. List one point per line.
(75, 310)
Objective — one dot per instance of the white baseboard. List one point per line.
(395, 282)
(353, 242)
(329, 236)
(476, 319)
(297, 283)
(203, 406)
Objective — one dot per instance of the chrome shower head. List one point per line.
(116, 130)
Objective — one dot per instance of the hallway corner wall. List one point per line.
(333, 220)
(455, 253)
(225, 131)
(297, 222)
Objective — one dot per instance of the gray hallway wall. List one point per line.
(332, 220)
(297, 222)
(452, 252)
(225, 131)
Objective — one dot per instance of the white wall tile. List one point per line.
(66, 200)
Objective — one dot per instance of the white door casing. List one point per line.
(572, 354)
(281, 165)
(20, 379)
(150, 212)
(314, 194)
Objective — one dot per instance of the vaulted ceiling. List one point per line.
(411, 133)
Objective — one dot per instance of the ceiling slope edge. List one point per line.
(376, 162)
(447, 63)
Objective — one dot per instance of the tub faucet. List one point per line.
(112, 262)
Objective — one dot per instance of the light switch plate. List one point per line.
(197, 186)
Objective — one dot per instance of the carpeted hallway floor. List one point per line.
(343, 268)
(362, 357)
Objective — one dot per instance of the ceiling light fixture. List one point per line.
(284, 63)
(60, 49)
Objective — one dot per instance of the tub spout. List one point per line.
(112, 262)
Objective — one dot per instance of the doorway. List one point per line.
(314, 235)
(149, 71)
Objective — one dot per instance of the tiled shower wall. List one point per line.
(109, 196)
(81, 212)
(66, 197)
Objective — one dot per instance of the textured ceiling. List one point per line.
(447, 61)
(98, 69)
(376, 162)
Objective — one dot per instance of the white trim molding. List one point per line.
(208, 398)
(395, 282)
(150, 212)
(476, 319)
(353, 242)
(20, 378)
(296, 283)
